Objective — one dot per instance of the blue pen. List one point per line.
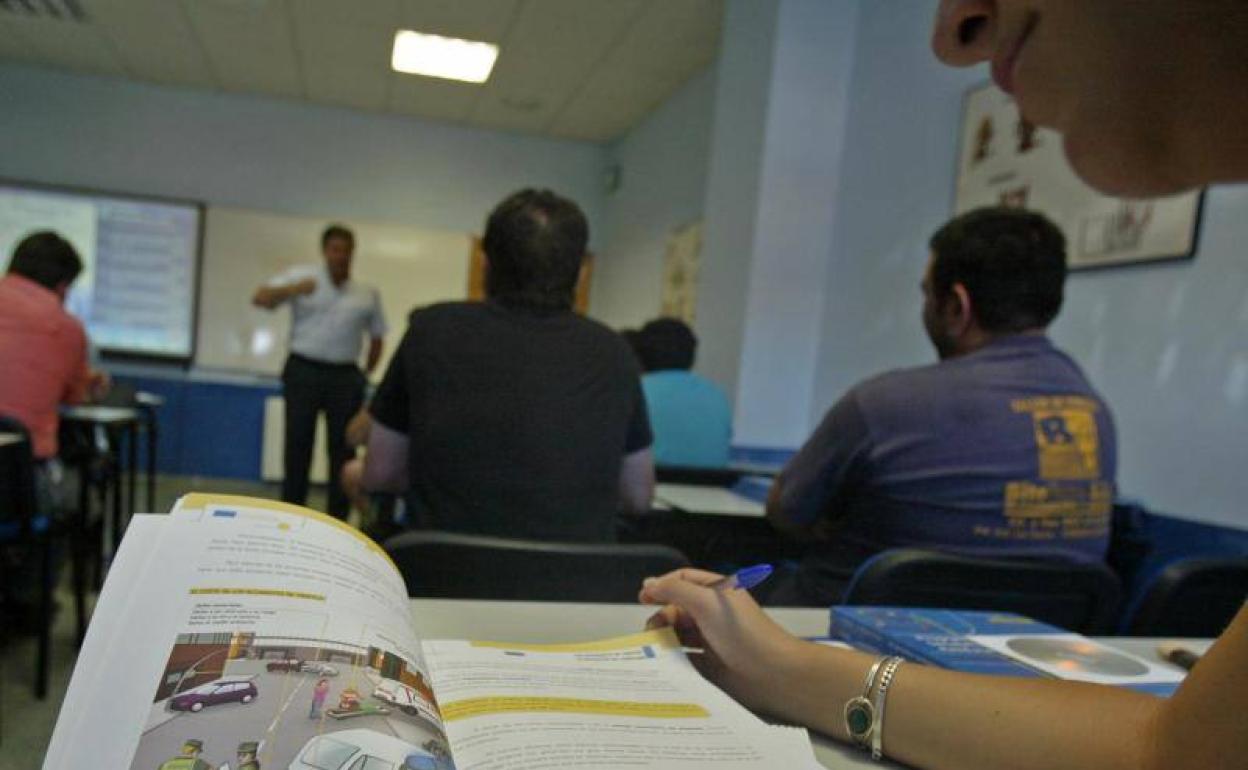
(744, 578)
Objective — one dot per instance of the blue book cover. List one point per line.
(947, 638)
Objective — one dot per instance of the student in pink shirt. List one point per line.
(43, 349)
(43, 363)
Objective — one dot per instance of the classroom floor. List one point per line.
(25, 723)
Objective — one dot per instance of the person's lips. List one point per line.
(1005, 63)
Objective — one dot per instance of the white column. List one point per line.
(774, 177)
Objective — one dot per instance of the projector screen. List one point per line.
(136, 294)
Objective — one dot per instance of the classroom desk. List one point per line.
(545, 622)
(116, 421)
(717, 527)
(706, 501)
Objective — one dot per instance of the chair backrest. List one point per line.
(1195, 597)
(452, 565)
(18, 497)
(1078, 597)
(702, 477)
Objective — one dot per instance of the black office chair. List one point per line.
(1077, 597)
(450, 565)
(22, 524)
(1195, 597)
(702, 477)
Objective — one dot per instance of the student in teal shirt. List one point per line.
(690, 415)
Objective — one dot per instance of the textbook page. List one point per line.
(98, 682)
(632, 702)
(267, 634)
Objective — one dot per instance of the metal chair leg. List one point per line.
(44, 653)
(77, 544)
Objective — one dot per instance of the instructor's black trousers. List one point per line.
(309, 388)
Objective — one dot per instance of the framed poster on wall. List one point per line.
(1003, 160)
(681, 265)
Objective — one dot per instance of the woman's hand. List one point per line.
(746, 653)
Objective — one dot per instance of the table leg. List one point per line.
(115, 450)
(78, 540)
(151, 462)
(132, 473)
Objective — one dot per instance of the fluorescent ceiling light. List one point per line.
(442, 57)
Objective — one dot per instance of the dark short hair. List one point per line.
(1011, 261)
(535, 241)
(337, 231)
(633, 338)
(47, 259)
(667, 343)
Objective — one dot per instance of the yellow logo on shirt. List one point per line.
(1066, 436)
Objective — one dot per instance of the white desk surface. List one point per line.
(540, 622)
(104, 415)
(9, 439)
(696, 499)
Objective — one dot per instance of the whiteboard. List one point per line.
(243, 249)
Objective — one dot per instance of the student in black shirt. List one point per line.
(515, 417)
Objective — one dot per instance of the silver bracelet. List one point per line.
(881, 698)
(860, 713)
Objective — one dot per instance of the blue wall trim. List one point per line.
(207, 428)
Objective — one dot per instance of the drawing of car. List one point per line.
(285, 664)
(214, 693)
(318, 668)
(362, 749)
(406, 699)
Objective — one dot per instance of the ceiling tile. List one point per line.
(684, 33)
(548, 53)
(355, 45)
(156, 41)
(364, 88)
(381, 13)
(669, 44)
(12, 45)
(472, 19)
(584, 69)
(249, 44)
(68, 44)
(431, 98)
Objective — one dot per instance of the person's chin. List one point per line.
(1113, 164)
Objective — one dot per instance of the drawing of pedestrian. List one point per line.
(187, 758)
(247, 752)
(319, 693)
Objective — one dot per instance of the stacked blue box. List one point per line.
(941, 638)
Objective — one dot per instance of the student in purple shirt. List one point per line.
(1003, 448)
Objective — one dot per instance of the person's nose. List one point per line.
(964, 32)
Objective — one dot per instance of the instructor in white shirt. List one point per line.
(330, 316)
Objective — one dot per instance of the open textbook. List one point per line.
(240, 633)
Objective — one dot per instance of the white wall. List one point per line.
(273, 155)
(896, 188)
(807, 112)
(1166, 344)
(732, 187)
(663, 166)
